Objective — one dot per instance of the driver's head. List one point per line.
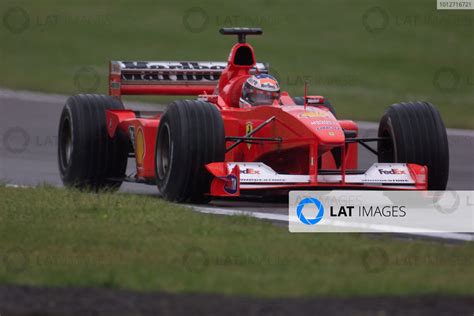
(261, 89)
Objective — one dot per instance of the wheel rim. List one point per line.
(65, 144)
(163, 152)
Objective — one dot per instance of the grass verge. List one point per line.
(56, 237)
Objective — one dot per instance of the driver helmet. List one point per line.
(261, 89)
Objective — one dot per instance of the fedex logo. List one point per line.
(391, 171)
(249, 171)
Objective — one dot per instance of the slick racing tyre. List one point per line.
(416, 134)
(190, 135)
(327, 104)
(88, 158)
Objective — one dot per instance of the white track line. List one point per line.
(335, 223)
(17, 186)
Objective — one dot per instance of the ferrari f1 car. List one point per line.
(212, 147)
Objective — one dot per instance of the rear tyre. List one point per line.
(88, 158)
(416, 134)
(190, 135)
(327, 104)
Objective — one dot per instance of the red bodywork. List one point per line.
(304, 137)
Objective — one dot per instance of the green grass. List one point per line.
(362, 72)
(56, 237)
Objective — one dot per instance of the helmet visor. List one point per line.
(259, 97)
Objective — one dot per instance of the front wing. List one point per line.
(232, 178)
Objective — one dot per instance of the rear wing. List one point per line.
(167, 77)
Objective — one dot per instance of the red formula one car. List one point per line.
(214, 146)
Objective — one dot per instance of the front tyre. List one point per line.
(416, 133)
(190, 135)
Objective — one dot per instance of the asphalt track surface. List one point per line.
(28, 145)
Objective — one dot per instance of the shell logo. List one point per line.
(308, 114)
(139, 147)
